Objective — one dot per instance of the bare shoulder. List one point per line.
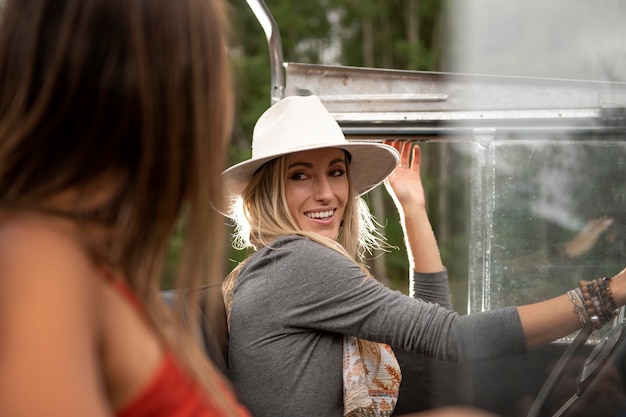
(22, 232)
(41, 262)
(48, 319)
(40, 249)
(44, 275)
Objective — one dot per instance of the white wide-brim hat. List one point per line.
(302, 123)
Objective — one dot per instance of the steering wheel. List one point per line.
(600, 383)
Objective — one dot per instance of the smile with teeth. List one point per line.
(322, 215)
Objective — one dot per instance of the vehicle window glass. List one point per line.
(548, 211)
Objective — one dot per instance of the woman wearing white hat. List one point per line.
(301, 308)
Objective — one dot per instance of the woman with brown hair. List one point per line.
(114, 117)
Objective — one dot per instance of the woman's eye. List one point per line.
(298, 176)
(337, 172)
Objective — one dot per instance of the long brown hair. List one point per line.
(139, 88)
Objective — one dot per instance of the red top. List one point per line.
(171, 392)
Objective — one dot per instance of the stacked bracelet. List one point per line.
(598, 300)
(576, 297)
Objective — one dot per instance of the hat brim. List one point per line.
(370, 164)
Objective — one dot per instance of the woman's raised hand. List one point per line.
(405, 187)
(405, 183)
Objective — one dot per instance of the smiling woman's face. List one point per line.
(317, 190)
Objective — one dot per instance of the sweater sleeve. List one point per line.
(313, 287)
(432, 287)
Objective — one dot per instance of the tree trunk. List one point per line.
(412, 21)
(368, 42)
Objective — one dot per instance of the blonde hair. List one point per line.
(141, 89)
(261, 215)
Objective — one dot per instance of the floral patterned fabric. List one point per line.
(371, 379)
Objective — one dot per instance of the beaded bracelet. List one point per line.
(598, 301)
(607, 280)
(605, 300)
(588, 303)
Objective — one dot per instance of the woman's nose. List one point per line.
(323, 190)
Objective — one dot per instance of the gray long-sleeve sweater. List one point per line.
(296, 299)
